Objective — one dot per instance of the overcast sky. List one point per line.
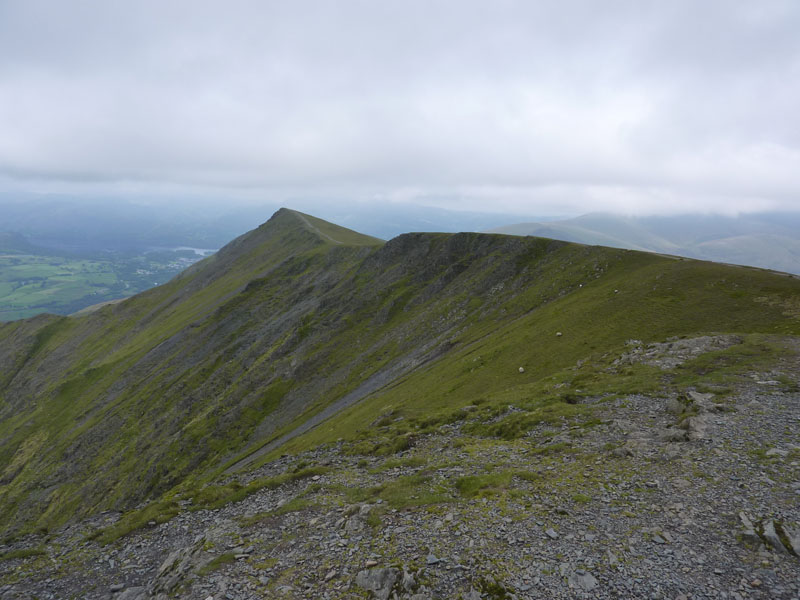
(532, 107)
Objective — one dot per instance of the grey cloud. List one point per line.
(557, 106)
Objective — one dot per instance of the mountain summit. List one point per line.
(306, 367)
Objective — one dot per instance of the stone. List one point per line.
(793, 534)
(408, 582)
(117, 587)
(700, 398)
(582, 580)
(696, 428)
(522, 369)
(378, 581)
(776, 452)
(611, 558)
(133, 593)
(675, 406)
(354, 524)
(431, 559)
(751, 538)
(551, 533)
(174, 569)
(771, 537)
(622, 451)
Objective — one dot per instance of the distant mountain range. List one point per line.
(768, 240)
(82, 226)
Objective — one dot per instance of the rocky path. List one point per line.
(685, 497)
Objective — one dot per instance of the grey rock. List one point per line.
(408, 583)
(751, 538)
(551, 533)
(611, 558)
(675, 406)
(117, 587)
(776, 452)
(622, 452)
(771, 537)
(793, 533)
(133, 593)
(582, 580)
(175, 568)
(354, 524)
(431, 559)
(378, 581)
(701, 399)
(696, 427)
(673, 434)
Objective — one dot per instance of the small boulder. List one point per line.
(378, 581)
(133, 593)
(776, 452)
(772, 538)
(582, 580)
(793, 535)
(408, 583)
(675, 406)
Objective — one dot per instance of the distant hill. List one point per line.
(16, 243)
(769, 240)
(84, 226)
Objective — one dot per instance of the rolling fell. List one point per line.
(312, 412)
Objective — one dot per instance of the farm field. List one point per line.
(34, 284)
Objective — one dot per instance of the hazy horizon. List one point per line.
(546, 108)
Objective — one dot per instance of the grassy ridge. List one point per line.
(640, 296)
(148, 398)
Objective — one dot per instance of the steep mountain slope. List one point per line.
(133, 391)
(158, 397)
(762, 240)
(315, 413)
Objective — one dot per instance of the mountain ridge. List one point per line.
(287, 343)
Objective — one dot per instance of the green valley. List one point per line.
(32, 284)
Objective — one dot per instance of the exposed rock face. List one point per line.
(378, 581)
(175, 568)
(671, 354)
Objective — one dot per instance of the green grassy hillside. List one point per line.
(300, 320)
